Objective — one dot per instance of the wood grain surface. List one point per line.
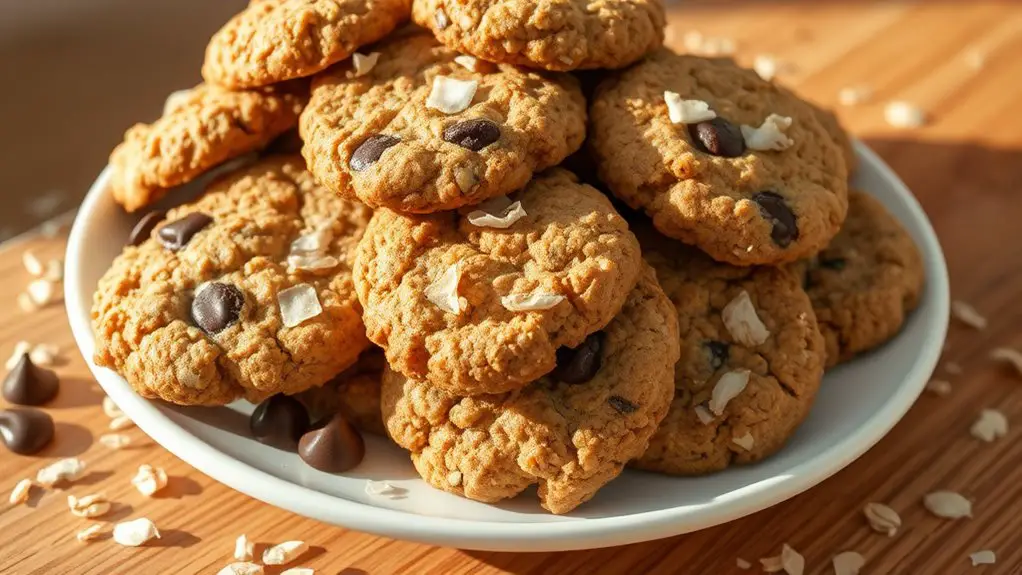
(966, 169)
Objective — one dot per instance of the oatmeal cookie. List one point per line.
(354, 393)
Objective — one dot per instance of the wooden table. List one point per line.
(965, 167)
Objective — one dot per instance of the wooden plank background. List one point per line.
(966, 168)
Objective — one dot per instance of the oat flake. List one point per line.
(792, 561)
(968, 315)
(746, 441)
(120, 423)
(243, 548)
(1010, 356)
(704, 415)
(44, 354)
(743, 323)
(149, 480)
(904, 115)
(770, 135)
(765, 66)
(683, 111)
(310, 262)
(467, 62)
(54, 271)
(948, 504)
(450, 95)
(531, 302)
(443, 293)
(298, 571)
(992, 424)
(32, 263)
(364, 63)
(41, 292)
(854, 95)
(728, 387)
(984, 557)
(64, 470)
(90, 506)
(284, 553)
(882, 518)
(115, 440)
(20, 492)
(20, 349)
(110, 408)
(241, 568)
(742, 563)
(298, 304)
(90, 533)
(939, 387)
(135, 532)
(848, 563)
(499, 212)
(771, 564)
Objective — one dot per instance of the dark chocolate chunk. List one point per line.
(334, 448)
(622, 405)
(718, 353)
(144, 228)
(718, 137)
(178, 233)
(29, 384)
(25, 431)
(369, 151)
(279, 421)
(216, 307)
(776, 210)
(472, 134)
(580, 364)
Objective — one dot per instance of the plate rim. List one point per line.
(572, 534)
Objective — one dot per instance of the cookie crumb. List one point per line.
(243, 548)
(115, 440)
(297, 304)
(450, 95)
(498, 213)
(742, 563)
(120, 423)
(939, 387)
(848, 563)
(90, 533)
(904, 115)
(535, 301)
(687, 111)
(854, 95)
(728, 387)
(90, 506)
(284, 553)
(135, 532)
(882, 518)
(770, 135)
(110, 408)
(992, 424)
(984, 557)
(746, 441)
(32, 263)
(968, 315)
(20, 349)
(1012, 357)
(443, 293)
(947, 504)
(241, 568)
(704, 415)
(742, 321)
(149, 480)
(20, 492)
(363, 63)
(68, 469)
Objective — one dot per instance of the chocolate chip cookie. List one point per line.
(246, 292)
(200, 129)
(865, 282)
(571, 432)
(424, 129)
(751, 361)
(481, 301)
(719, 158)
(354, 393)
(552, 35)
(270, 42)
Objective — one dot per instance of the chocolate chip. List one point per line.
(369, 151)
(29, 384)
(622, 405)
(144, 228)
(25, 431)
(472, 134)
(719, 352)
(774, 208)
(440, 18)
(718, 137)
(279, 421)
(836, 264)
(216, 307)
(580, 364)
(178, 233)
(334, 448)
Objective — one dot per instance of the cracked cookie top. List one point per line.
(865, 282)
(571, 432)
(751, 361)
(480, 301)
(424, 130)
(719, 158)
(200, 129)
(246, 292)
(270, 42)
(552, 35)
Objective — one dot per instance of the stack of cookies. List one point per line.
(432, 267)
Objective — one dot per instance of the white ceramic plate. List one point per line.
(858, 404)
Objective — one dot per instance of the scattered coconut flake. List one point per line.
(687, 111)
(696, 43)
(770, 135)
(443, 292)
(535, 301)
(41, 292)
(746, 441)
(939, 387)
(110, 408)
(948, 504)
(32, 263)
(284, 553)
(984, 557)
(44, 354)
(20, 492)
(364, 63)
(953, 368)
(135, 532)
(175, 100)
(115, 440)
(968, 315)
(121, 423)
(500, 213)
(742, 563)
(766, 66)
(90, 506)
(882, 518)
(704, 415)
(772, 564)
(450, 95)
(149, 480)
(241, 568)
(25, 303)
(468, 62)
(848, 563)
(63, 470)
(312, 242)
(742, 322)
(298, 304)
(20, 349)
(728, 387)
(90, 533)
(310, 262)
(243, 548)
(1010, 356)
(54, 271)
(854, 95)
(384, 489)
(991, 425)
(792, 561)
(975, 59)
(904, 115)
(298, 571)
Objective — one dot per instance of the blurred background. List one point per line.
(75, 75)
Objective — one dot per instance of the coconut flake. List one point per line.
(443, 293)
(298, 571)
(968, 315)
(136, 532)
(314, 262)
(953, 368)
(298, 304)
(728, 387)
(854, 95)
(991, 425)
(470, 63)
(500, 213)
(364, 63)
(241, 568)
(535, 301)
(312, 242)
(41, 292)
(20, 349)
(948, 504)
(89, 506)
(384, 489)
(63, 470)
(984, 557)
(704, 415)
(882, 518)
(32, 263)
(115, 440)
(904, 115)
(742, 563)
(110, 408)
(770, 135)
(765, 66)
(1012, 357)
(121, 423)
(284, 553)
(687, 111)
(149, 480)
(939, 387)
(771, 564)
(44, 354)
(746, 441)
(848, 563)
(20, 492)
(792, 561)
(54, 271)
(742, 321)
(450, 95)
(243, 548)
(90, 533)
